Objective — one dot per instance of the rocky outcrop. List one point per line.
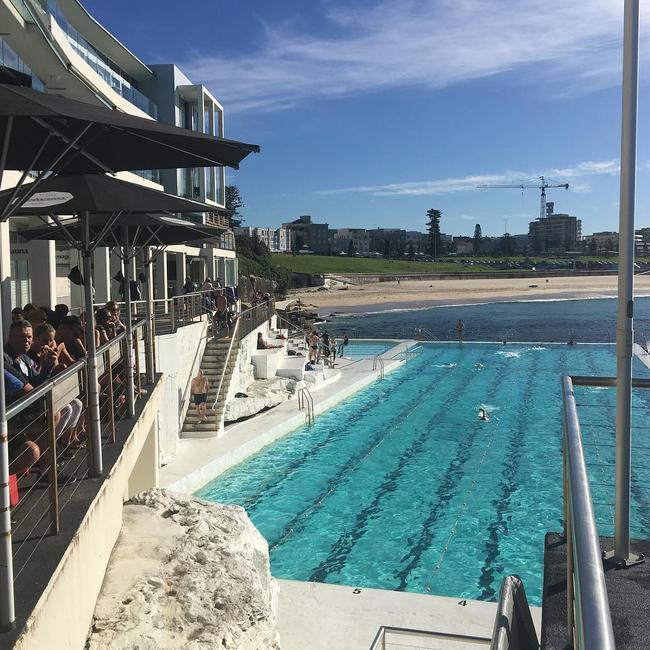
(187, 574)
(261, 394)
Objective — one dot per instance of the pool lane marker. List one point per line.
(352, 463)
(344, 545)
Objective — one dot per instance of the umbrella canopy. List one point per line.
(94, 193)
(139, 230)
(34, 126)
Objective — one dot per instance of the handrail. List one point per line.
(589, 620)
(378, 362)
(305, 398)
(379, 642)
(225, 363)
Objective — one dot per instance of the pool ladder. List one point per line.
(306, 401)
(378, 362)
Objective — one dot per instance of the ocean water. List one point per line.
(591, 320)
(402, 487)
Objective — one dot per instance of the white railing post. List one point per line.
(625, 312)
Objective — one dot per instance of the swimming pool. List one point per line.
(366, 348)
(402, 487)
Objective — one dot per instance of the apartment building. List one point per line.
(555, 233)
(600, 242)
(278, 240)
(57, 47)
(307, 235)
(346, 240)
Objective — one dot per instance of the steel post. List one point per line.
(149, 335)
(7, 613)
(128, 358)
(625, 311)
(95, 462)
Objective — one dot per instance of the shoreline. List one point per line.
(427, 294)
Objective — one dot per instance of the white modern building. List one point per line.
(64, 50)
(277, 240)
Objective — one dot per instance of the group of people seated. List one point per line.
(42, 342)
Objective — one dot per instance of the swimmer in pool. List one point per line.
(483, 415)
(478, 365)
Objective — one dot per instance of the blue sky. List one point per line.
(369, 112)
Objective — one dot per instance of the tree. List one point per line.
(478, 235)
(351, 249)
(433, 228)
(233, 203)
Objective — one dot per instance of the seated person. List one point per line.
(265, 345)
(104, 326)
(44, 339)
(114, 310)
(36, 317)
(70, 333)
(18, 345)
(60, 311)
(23, 453)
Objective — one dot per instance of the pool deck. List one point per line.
(322, 616)
(200, 460)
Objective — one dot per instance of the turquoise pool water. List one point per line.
(366, 349)
(402, 487)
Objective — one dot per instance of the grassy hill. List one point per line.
(338, 264)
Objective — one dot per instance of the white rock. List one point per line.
(262, 394)
(173, 583)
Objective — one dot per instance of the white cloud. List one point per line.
(574, 46)
(469, 183)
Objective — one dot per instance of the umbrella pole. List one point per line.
(95, 456)
(129, 366)
(7, 614)
(149, 328)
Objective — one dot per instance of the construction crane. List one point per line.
(543, 185)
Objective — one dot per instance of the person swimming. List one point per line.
(483, 415)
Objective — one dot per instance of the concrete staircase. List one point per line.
(212, 364)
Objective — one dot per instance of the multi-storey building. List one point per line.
(416, 241)
(600, 242)
(346, 240)
(554, 233)
(57, 47)
(307, 235)
(278, 240)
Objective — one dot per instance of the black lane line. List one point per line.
(350, 464)
(276, 481)
(348, 540)
(499, 525)
(453, 473)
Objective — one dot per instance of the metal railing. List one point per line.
(378, 362)
(234, 336)
(589, 622)
(252, 318)
(513, 627)
(51, 449)
(306, 400)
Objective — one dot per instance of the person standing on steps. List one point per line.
(200, 387)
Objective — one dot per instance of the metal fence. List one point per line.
(252, 318)
(50, 449)
(589, 621)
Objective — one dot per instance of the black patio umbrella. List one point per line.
(50, 135)
(132, 233)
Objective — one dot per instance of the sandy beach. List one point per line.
(423, 293)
